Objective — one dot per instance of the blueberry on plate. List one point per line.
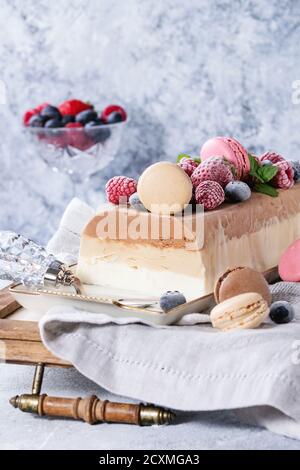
(37, 121)
(53, 123)
(86, 116)
(282, 312)
(67, 118)
(114, 117)
(50, 112)
(237, 191)
(171, 299)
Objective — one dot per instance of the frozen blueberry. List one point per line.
(266, 163)
(282, 312)
(114, 117)
(237, 191)
(53, 123)
(296, 168)
(136, 203)
(67, 118)
(36, 121)
(50, 112)
(171, 299)
(86, 116)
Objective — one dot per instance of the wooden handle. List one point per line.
(92, 410)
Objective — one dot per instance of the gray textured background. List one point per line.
(184, 70)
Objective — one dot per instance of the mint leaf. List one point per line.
(254, 165)
(267, 172)
(181, 156)
(265, 189)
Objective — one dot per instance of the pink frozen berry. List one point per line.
(188, 165)
(213, 169)
(120, 186)
(272, 157)
(210, 194)
(284, 178)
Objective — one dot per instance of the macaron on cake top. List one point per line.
(289, 263)
(165, 188)
(232, 150)
(241, 279)
(242, 311)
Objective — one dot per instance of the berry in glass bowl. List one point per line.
(75, 137)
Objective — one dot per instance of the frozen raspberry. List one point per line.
(284, 178)
(210, 194)
(188, 165)
(213, 169)
(272, 157)
(120, 186)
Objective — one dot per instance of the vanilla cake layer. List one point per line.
(253, 233)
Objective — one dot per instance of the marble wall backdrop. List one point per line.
(185, 70)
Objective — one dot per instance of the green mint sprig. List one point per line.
(185, 155)
(262, 175)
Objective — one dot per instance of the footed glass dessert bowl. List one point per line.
(78, 152)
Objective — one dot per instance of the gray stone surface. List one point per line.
(184, 70)
(218, 430)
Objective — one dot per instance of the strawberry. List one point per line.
(28, 115)
(73, 107)
(77, 138)
(113, 108)
(40, 107)
(71, 125)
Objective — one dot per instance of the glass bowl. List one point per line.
(79, 152)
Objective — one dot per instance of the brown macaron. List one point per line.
(239, 280)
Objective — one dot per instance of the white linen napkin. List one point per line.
(255, 372)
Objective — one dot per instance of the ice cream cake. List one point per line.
(253, 233)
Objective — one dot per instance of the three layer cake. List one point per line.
(151, 253)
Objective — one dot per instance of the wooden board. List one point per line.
(8, 304)
(21, 339)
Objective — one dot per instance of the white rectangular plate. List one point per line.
(102, 300)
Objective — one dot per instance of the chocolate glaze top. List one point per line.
(228, 221)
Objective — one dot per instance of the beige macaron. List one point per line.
(242, 311)
(164, 188)
(239, 280)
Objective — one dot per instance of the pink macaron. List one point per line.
(230, 149)
(289, 263)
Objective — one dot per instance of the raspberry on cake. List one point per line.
(213, 169)
(210, 194)
(188, 165)
(120, 186)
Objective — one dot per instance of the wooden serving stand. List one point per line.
(23, 345)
